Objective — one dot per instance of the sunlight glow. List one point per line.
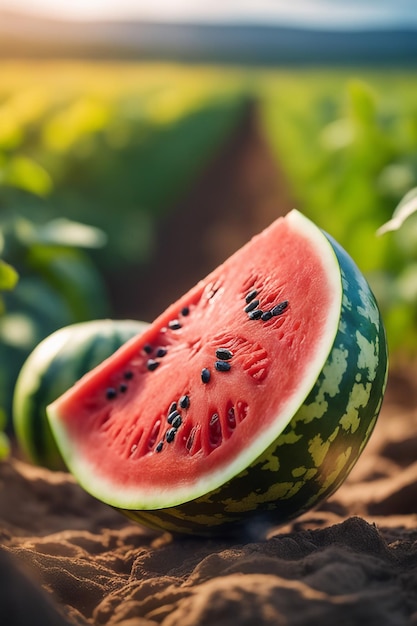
(343, 13)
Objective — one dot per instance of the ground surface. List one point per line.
(67, 559)
(353, 561)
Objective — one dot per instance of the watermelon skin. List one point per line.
(322, 442)
(53, 367)
(315, 448)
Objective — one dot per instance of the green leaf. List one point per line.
(60, 232)
(18, 330)
(4, 446)
(72, 276)
(362, 102)
(406, 207)
(25, 173)
(8, 276)
(3, 419)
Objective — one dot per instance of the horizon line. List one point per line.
(287, 23)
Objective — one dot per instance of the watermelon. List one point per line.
(53, 367)
(248, 400)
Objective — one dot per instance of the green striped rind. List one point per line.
(52, 368)
(319, 447)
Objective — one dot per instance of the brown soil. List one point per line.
(67, 559)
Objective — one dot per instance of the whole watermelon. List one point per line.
(53, 367)
(250, 398)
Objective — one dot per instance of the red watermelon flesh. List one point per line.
(115, 427)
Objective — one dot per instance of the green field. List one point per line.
(347, 141)
(113, 147)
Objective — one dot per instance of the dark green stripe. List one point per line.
(35, 407)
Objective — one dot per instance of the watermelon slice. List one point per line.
(253, 395)
(56, 363)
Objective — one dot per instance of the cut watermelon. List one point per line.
(56, 363)
(252, 395)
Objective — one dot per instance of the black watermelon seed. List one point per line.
(128, 375)
(152, 365)
(185, 311)
(251, 296)
(279, 308)
(147, 348)
(170, 434)
(266, 316)
(172, 416)
(250, 307)
(184, 402)
(177, 421)
(123, 387)
(205, 375)
(111, 393)
(174, 325)
(172, 407)
(222, 366)
(161, 352)
(159, 446)
(255, 315)
(224, 354)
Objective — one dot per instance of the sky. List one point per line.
(336, 13)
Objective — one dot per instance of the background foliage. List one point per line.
(348, 143)
(92, 156)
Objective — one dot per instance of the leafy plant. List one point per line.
(401, 285)
(115, 146)
(58, 285)
(348, 144)
(4, 439)
(406, 208)
(8, 280)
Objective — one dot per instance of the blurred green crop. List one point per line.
(8, 280)
(347, 141)
(113, 146)
(93, 156)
